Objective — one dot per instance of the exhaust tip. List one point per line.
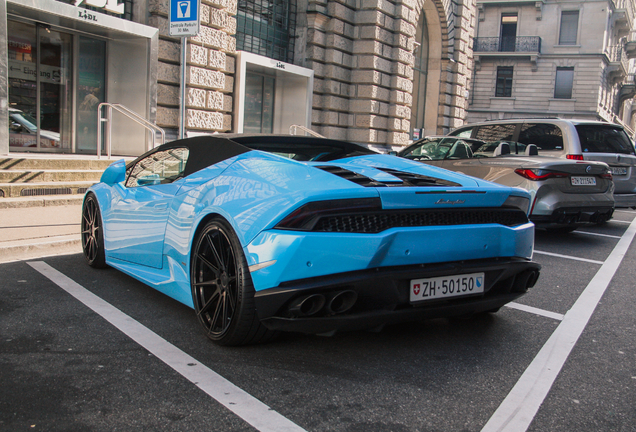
(342, 301)
(306, 306)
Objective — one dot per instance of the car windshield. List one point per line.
(604, 139)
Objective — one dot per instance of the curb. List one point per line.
(30, 249)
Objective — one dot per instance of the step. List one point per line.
(46, 175)
(40, 247)
(57, 163)
(41, 201)
(14, 190)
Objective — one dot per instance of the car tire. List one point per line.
(222, 289)
(93, 233)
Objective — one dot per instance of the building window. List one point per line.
(508, 33)
(563, 83)
(267, 28)
(569, 27)
(504, 81)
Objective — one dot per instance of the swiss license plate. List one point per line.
(619, 170)
(583, 181)
(446, 286)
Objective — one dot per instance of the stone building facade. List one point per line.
(553, 58)
(362, 54)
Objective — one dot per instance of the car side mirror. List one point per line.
(115, 173)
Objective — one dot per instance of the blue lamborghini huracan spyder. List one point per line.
(262, 233)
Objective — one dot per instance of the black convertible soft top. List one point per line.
(208, 150)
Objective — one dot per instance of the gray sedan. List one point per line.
(566, 193)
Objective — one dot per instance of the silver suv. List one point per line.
(570, 139)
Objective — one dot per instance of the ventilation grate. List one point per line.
(45, 191)
(378, 221)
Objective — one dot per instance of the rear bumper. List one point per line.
(573, 216)
(383, 295)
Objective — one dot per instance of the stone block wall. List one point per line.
(210, 68)
(362, 56)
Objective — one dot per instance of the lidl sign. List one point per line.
(184, 17)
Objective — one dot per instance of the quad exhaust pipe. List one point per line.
(313, 304)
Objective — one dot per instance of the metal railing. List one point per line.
(152, 128)
(293, 130)
(617, 54)
(523, 44)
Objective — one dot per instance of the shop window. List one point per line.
(569, 27)
(267, 28)
(504, 81)
(563, 83)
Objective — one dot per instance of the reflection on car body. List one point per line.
(565, 193)
(330, 236)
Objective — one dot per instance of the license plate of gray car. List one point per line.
(583, 181)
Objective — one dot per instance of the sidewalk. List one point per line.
(34, 232)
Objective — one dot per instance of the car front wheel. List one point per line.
(93, 233)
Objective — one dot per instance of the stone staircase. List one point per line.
(32, 181)
(40, 203)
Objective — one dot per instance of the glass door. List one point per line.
(259, 103)
(40, 88)
(91, 91)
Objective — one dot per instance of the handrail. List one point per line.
(132, 116)
(294, 127)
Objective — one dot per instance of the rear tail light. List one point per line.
(305, 217)
(607, 175)
(575, 156)
(539, 174)
(522, 203)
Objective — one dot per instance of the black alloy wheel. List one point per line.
(93, 233)
(222, 288)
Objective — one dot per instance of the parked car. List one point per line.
(569, 139)
(267, 233)
(565, 193)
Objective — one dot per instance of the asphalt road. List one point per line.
(568, 348)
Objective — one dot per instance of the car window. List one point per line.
(429, 150)
(545, 136)
(496, 132)
(160, 167)
(463, 133)
(604, 139)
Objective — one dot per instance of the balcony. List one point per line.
(520, 46)
(618, 61)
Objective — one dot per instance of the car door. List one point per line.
(140, 213)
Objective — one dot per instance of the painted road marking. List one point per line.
(247, 407)
(521, 405)
(597, 234)
(536, 311)
(568, 257)
(620, 221)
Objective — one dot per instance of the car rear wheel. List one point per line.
(93, 233)
(222, 288)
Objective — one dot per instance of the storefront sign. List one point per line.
(26, 71)
(184, 17)
(109, 5)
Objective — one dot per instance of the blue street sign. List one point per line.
(184, 17)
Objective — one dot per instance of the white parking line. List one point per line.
(250, 409)
(519, 408)
(536, 311)
(597, 234)
(568, 257)
(625, 211)
(619, 221)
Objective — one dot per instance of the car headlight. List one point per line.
(522, 203)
